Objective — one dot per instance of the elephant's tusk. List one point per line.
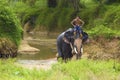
(82, 50)
(75, 50)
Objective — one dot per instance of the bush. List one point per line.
(103, 31)
(112, 17)
(9, 24)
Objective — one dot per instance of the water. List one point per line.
(47, 48)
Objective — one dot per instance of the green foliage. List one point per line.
(9, 24)
(62, 3)
(20, 9)
(86, 69)
(83, 69)
(112, 1)
(65, 17)
(103, 31)
(112, 17)
(56, 19)
(10, 71)
(103, 20)
(41, 4)
(45, 20)
(51, 20)
(26, 12)
(59, 18)
(52, 3)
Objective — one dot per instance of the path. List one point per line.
(38, 64)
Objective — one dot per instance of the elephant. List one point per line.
(64, 42)
(69, 42)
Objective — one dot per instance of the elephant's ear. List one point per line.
(65, 35)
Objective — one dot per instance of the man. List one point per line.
(78, 24)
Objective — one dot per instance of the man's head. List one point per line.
(77, 17)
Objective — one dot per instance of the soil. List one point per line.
(101, 48)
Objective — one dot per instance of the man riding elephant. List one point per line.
(66, 43)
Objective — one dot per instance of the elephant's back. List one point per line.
(60, 37)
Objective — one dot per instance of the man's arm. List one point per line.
(82, 22)
(73, 22)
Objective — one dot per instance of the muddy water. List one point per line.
(47, 50)
(46, 43)
(45, 57)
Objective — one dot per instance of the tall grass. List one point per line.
(83, 69)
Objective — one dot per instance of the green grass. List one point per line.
(74, 70)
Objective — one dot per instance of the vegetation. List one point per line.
(53, 15)
(102, 18)
(9, 24)
(74, 70)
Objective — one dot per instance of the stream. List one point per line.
(43, 58)
(47, 50)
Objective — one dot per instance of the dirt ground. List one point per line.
(101, 48)
(37, 64)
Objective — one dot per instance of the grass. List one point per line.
(83, 69)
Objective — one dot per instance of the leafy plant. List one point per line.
(9, 24)
(102, 30)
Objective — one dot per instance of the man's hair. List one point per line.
(78, 16)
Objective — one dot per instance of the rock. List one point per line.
(7, 48)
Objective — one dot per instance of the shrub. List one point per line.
(9, 24)
(102, 30)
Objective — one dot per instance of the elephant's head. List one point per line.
(78, 44)
(75, 39)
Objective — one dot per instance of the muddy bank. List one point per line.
(104, 49)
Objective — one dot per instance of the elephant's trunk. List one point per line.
(78, 45)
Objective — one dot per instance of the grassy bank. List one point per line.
(74, 70)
